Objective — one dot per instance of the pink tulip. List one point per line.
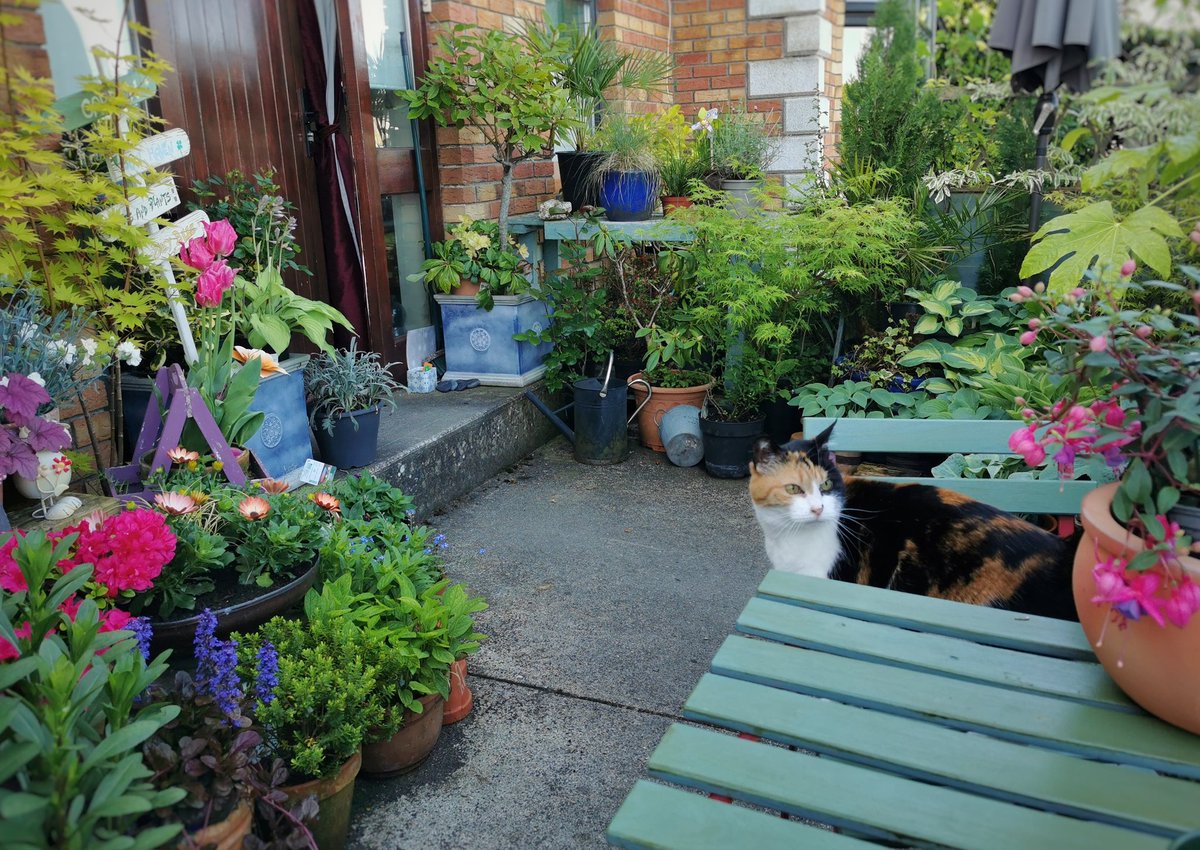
(1128, 268)
(196, 253)
(1098, 343)
(1195, 234)
(212, 283)
(1028, 338)
(221, 237)
(1078, 292)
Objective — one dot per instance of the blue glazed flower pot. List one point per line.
(480, 344)
(628, 195)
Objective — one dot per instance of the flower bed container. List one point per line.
(480, 344)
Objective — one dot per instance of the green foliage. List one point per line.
(627, 144)
(274, 312)
(51, 345)
(855, 400)
(327, 697)
(978, 355)
(998, 467)
(199, 555)
(64, 234)
(962, 54)
(875, 359)
(493, 82)
(889, 118)
(365, 496)
(743, 143)
(343, 382)
(948, 307)
(475, 252)
(279, 546)
(71, 774)
(226, 387)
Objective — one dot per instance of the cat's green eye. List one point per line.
(826, 486)
(792, 489)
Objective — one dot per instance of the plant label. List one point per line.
(152, 152)
(161, 198)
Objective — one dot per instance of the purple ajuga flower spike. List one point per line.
(142, 629)
(266, 674)
(216, 665)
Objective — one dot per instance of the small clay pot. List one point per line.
(675, 202)
(225, 834)
(334, 796)
(1158, 667)
(465, 287)
(661, 400)
(405, 750)
(461, 699)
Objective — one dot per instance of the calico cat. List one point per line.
(908, 537)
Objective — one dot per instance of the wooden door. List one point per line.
(238, 91)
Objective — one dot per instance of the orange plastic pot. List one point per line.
(675, 202)
(1158, 667)
(335, 794)
(405, 750)
(662, 399)
(461, 699)
(226, 834)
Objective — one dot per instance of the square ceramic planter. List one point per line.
(480, 344)
(283, 443)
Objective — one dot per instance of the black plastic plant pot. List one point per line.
(580, 186)
(349, 447)
(783, 420)
(727, 446)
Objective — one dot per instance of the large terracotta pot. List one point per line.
(465, 287)
(411, 745)
(461, 699)
(1157, 667)
(226, 834)
(662, 400)
(334, 796)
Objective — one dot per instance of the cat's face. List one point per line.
(796, 483)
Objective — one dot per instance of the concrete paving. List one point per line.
(610, 590)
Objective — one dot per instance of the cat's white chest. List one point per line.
(811, 549)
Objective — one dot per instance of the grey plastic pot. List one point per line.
(354, 441)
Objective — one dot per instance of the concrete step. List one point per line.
(437, 447)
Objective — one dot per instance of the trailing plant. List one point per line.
(326, 698)
(70, 715)
(493, 82)
(345, 382)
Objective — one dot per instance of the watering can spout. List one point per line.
(552, 415)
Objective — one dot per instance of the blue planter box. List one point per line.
(283, 443)
(480, 344)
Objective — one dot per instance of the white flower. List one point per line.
(523, 251)
(89, 350)
(28, 331)
(37, 379)
(65, 351)
(129, 353)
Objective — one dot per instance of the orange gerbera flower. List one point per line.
(269, 365)
(254, 507)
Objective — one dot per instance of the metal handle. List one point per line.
(649, 393)
(608, 374)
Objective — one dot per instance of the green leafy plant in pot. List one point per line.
(473, 261)
(742, 144)
(346, 392)
(627, 175)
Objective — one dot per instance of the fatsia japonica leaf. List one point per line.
(1096, 237)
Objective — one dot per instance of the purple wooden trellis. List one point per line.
(182, 403)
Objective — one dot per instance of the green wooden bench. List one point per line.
(907, 720)
(1060, 498)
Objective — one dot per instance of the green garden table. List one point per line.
(903, 719)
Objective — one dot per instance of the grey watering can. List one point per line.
(601, 429)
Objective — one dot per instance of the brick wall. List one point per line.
(712, 41)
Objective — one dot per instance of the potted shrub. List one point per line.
(323, 703)
(679, 156)
(627, 175)
(1131, 379)
(743, 144)
(593, 69)
(346, 392)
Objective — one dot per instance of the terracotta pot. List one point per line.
(226, 834)
(334, 796)
(1157, 667)
(465, 287)
(411, 745)
(675, 202)
(461, 699)
(662, 400)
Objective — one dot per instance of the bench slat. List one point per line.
(1048, 780)
(990, 626)
(943, 436)
(960, 659)
(654, 817)
(875, 804)
(1013, 495)
(1055, 724)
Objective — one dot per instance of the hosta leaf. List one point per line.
(1094, 236)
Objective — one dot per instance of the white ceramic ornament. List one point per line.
(53, 478)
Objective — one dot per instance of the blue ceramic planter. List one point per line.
(283, 443)
(480, 344)
(628, 195)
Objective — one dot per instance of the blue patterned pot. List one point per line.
(628, 195)
(480, 344)
(283, 443)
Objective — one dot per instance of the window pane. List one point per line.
(405, 253)
(385, 24)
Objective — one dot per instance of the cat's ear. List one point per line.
(765, 451)
(820, 443)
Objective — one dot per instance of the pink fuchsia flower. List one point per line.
(220, 236)
(175, 504)
(1128, 268)
(1034, 324)
(1025, 443)
(1143, 331)
(1098, 343)
(1143, 588)
(1028, 338)
(197, 254)
(212, 284)
(1183, 602)
(254, 508)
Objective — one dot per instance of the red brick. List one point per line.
(697, 58)
(729, 82)
(693, 85)
(711, 71)
(692, 32)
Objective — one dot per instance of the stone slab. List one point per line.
(794, 75)
(807, 34)
(782, 8)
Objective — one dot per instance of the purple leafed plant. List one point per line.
(22, 432)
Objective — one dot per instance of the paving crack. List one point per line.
(562, 692)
